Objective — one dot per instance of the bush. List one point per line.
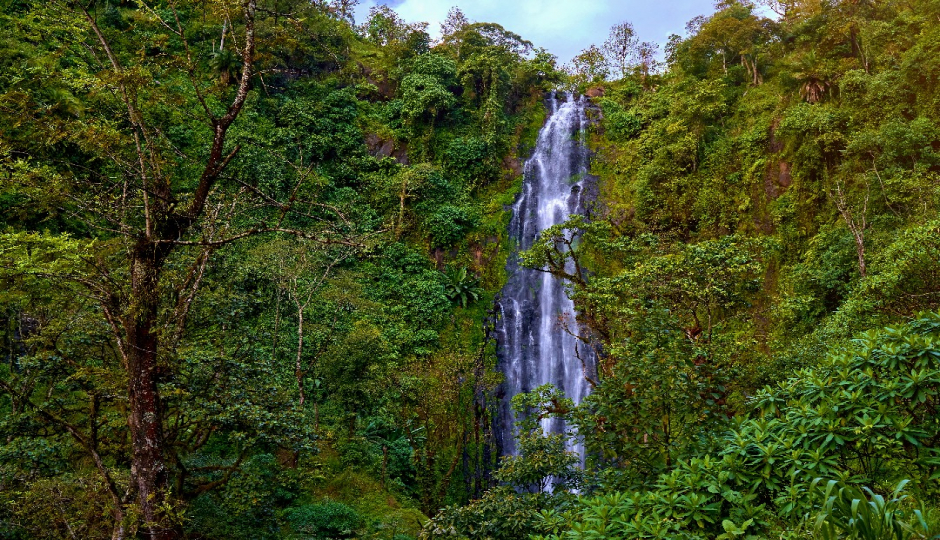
(867, 413)
(449, 224)
(470, 159)
(324, 520)
(848, 512)
(501, 514)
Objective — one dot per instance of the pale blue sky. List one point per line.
(561, 26)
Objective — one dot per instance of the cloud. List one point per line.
(564, 28)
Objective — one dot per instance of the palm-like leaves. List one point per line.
(226, 64)
(813, 77)
(461, 287)
(849, 512)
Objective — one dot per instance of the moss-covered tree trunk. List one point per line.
(145, 419)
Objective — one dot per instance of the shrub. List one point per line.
(323, 520)
(449, 224)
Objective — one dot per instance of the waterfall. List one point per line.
(533, 345)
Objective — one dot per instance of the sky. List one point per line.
(563, 27)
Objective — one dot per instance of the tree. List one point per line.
(783, 8)
(590, 66)
(734, 34)
(135, 317)
(624, 51)
(621, 46)
(384, 26)
(455, 22)
(302, 273)
(646, 58)
(344, 9)
(158, 199)
(426, 91)
(658, 321)
(855, 219)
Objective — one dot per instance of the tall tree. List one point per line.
(166, 214)
(455, 22)
(620, 46)
(147, 169)
(590, 66)
(344, 9)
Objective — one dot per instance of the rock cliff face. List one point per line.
(537, 319)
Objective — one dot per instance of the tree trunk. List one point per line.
(145, 419)
(298, 369)
(401, 207)
(855, 224)
(384, 466)
(164, 224)
(860, 250)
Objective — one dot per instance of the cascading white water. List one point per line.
(534, 346)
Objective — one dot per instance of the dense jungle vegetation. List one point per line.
(250, 252)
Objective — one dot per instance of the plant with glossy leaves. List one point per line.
(461, 287)
(850, 512)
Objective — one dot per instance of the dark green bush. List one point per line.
(449, 224)
(323, 520)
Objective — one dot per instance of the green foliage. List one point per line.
(386, 28)
(621, 125)
(636, 516)
(531, 482)
(322, 521)
(426, 90)
(543, 464)
(848, 512)
(768, 194)
(37, 512)
(865, 413)
(461, 288)
(590, 67)
(501, 514)
(903, 278)
(467, 159)
(449, 224)
(666, 368)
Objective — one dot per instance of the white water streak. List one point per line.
(535, 347)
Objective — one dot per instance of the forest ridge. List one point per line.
(250, 252)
